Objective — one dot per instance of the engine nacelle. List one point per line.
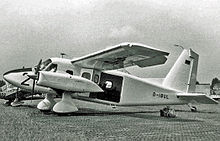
(67, 82)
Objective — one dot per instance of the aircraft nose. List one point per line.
(8, 77)
(15, 77)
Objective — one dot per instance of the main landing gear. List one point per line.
(46, 104)
(167, 112)
(66, 105)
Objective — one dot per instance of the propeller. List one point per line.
(38, 66)
(34, 77)
(32, 93)
(17, 92)
(35, 74)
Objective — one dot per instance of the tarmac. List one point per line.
(102, 122)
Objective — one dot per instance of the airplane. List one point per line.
(14, 96)
(96, 77)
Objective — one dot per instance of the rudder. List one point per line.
(182, 75)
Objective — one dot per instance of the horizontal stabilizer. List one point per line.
(196, 98)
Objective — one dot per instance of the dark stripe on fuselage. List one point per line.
(18, 70)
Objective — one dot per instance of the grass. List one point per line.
(101, 122)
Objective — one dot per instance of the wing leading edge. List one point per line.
(121, 56)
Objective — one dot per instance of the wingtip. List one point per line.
(133, 44)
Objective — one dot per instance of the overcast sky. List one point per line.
(35, 29)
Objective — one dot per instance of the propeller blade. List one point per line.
(38, 66)
(32, 93)
(32, 76)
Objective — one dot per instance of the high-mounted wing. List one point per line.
(121, 56)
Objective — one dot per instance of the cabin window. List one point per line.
(86, 75)
(96, 78)
(70, 72)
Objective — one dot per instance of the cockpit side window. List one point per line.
(96, 78)
(86, 75)
(69, 71)
(52, 68)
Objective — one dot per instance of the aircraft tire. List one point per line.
(194, 109)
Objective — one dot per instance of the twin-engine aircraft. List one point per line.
(95, 77)
(14, 96)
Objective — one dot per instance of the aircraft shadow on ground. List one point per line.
(139, 114)
(93, 112)
(136, 114)
(208, 112)
(159, 118)
(28, 106)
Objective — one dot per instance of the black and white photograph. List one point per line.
(104, 70)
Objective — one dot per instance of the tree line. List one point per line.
(214, 81)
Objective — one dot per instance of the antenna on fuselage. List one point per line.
(62, 54)
(176, 45)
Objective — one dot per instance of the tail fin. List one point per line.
(182, 75)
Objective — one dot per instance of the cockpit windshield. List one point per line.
(45, 64)
(52, 67)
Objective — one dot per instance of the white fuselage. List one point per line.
(135, 91)
(119, 88)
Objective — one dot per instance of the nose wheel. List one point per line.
(66, 105)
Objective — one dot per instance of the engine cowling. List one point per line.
(67, 82)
